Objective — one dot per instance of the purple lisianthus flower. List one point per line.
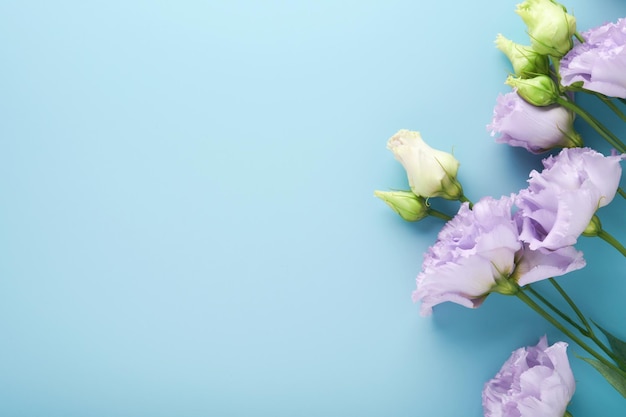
(599, 62)
(560, 201)
(534, 382)
(478, 252)
(537, 129)
(473, 251)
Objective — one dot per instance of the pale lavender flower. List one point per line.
(536, 381)
(537, 265)
(599, 62)
(478, 252)
(560, 201)
(473, 251)
(537, 129)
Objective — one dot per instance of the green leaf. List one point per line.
(614, 376)
(618, 347)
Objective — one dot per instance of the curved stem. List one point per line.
(438, 214)
(594, 123)
(621, 192)
(543, 313)
(555, 309)
(464, 199)
(571, 303)
(579, 37)
(612, 106)
(589, 333)
(606, 100)
(607, 237)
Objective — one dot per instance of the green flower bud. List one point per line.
(550, 27)
(538, 91)
(593, 228)
(409, 206)
(527, 62)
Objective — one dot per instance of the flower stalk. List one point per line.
(605, 99)
(586, 331)
(438, 214)
(546, 315)
(610, 239)
(594, 123)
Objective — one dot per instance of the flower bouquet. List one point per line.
(506, 245)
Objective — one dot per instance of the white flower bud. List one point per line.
(431, 173)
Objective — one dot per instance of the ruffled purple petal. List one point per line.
(599, 62)
(534, 382)
(537, 265)
(560, 201)
(473, 251)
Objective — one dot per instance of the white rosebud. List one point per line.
(431, 173)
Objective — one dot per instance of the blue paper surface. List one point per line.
(187, 219)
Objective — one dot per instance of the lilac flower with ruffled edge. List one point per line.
(599, 62)
(537, 129)
(479, 252)
(536, 381)
(560, 201)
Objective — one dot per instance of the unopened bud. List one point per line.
(409, 206)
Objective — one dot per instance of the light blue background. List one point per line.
(187, 220)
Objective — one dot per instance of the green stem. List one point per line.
(464, 199)
(579, 37)
(594, 123)
(571, 303)
(612, 106)
(589, 333)
(555, 309)
(543, 313)
(556, 64)
(438, 214)
(606, 100)
(607, 237)
(621, 192)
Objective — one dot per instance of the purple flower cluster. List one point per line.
(493, 248)
(501, 245)
(534, 382)
(599, 62)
